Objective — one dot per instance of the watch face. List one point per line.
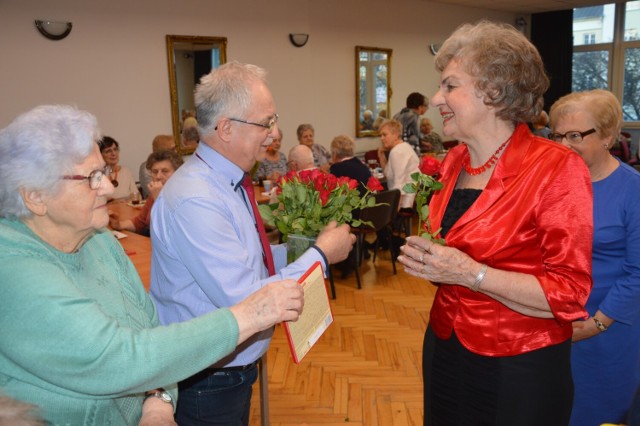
(166, 397)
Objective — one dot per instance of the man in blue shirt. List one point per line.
(207, 251)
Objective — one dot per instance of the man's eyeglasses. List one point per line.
(270, 125)
(94, 178)
(573, 137)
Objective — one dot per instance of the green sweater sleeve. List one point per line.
(81, 324)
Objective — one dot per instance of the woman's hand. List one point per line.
(274, 303)
(114, 221)
(447, 265)
(382, 158)
(438, 264)
(584, 329)
(157, 413)
(274, 176)
(154, 188)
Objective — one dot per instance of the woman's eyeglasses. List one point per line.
(573, 136)
(94, 178)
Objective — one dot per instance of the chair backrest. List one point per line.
(383, 214)
(624, 146)
(371, 158)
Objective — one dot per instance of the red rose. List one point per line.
(324, 196)
(289, 177)
(429, 165)
(305, 176)
(374, 184)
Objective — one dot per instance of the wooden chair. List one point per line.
(381, 216)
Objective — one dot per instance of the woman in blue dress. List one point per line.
(605, 355)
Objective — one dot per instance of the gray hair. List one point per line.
(342, 146)
(507, 68)
(302, 128)
(40, 146)
(225, 91)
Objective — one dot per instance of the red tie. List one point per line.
(247, 184)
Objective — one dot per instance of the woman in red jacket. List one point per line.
(516, 214)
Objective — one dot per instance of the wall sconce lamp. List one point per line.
(54, 30)
(521, 25)
(434, 47)
(298, 39)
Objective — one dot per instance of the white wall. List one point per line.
(114, 61)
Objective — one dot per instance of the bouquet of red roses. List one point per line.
(423, 185)
(308, 200)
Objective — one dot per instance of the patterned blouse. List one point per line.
(267, 167)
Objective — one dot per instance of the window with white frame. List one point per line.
(606, 52)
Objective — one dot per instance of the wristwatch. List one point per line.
(162, 394)
(600, 325)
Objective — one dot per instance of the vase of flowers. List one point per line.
(423, 184)
(308, 200)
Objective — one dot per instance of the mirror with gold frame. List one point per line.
(189, 58)
(373, 89)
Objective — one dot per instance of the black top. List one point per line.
(460, 201)
(355, 169)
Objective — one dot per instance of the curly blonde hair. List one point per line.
(508, 69)
(602, 105)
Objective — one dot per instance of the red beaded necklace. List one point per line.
(474, 171)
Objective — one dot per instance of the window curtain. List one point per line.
(552, 34)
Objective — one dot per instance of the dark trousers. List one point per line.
(216, 397)
(463, 388)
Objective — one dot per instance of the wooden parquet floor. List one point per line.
(367, 367)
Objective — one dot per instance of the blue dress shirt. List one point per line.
(206, 249)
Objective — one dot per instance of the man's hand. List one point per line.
(336, 242)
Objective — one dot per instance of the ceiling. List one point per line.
(525, 6)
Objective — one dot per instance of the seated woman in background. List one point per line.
(80, 337)
(161, 166)
(274, 164)
(430, 141)
(321, 156)
(121, 177)
(346, 164)
(605, 354)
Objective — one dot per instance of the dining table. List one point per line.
(136, 246)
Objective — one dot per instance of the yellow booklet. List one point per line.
(316, 315)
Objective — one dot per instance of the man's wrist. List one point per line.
(324, 257)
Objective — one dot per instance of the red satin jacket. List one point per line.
(534, 216)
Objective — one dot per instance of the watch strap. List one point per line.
(600, 325)
(163, 395)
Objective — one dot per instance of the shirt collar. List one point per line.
(230, 173)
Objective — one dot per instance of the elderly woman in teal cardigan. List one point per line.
(80, 337)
